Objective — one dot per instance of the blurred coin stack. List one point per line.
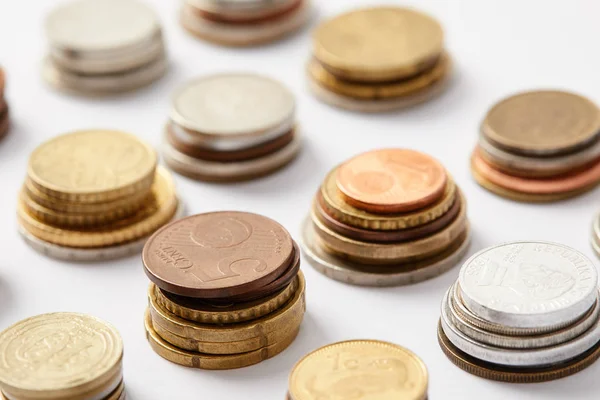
(227, 290)
(523, 312)
(94, 195)
(387, 217)
(103, 47)
(61, 356)
(378, 59)
(359, 369)
(244, 23)
(231, 127)
(539, 146)
(4, 119)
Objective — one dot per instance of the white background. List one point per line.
(499, 47)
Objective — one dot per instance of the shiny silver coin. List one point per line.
(528, 284)
(366, 275)
(520, 357)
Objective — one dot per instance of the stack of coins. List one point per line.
(359, 369)
(378, 59)
(4, 119)
(93, 195)
(539, 146)
(523, 312)
(226, 292)
(103, 47)
(387, 217)
(61, 356)
(231, 127)
(244, 23)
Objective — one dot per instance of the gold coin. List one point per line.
(362, 369)
(379, 90)
(335, 206)
(155, 214)
(60, 355)
(378, 44)
(211, 361)
(92, 166)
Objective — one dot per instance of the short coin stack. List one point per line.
(387, 217)
(539, 146)
(226, 292)
(231, 127)
(378, 59)
(103, 47)
(94, 195)
(61, 356)
(244, 23)
(361, 369)
(523, 312)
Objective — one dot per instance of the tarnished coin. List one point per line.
(366, 369)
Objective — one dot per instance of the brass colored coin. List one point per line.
(542, 123)
(148, 219)
(92, 166)
(335, 206)
(501, 373)
(365, 369)
(378, 44)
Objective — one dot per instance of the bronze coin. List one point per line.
(266, 16)
(217, 255)
(4, 122)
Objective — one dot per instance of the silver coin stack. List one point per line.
(103, 47)
(231, 127)
(523, 312)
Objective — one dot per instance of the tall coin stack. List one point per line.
(244, 23)
(539, 146)
(360, 369)
(387, 217)
(231, 127)
(4, 118)
(103, 47)
(94, 195)
(61, 356)
(523, 312)
(226, 292)
(378, 59)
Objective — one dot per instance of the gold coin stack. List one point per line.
(387, 217)
(94, 195)
(360, 369)
(4, 119)
(61, 356)
(378, 59)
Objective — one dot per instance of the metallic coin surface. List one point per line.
(217, 255)
(75, 352)
(542, 123)
(366, 369)
(239, 7)
(528, 284)
(4, 123)
(391, 180)
(251, 15)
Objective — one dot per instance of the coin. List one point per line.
(391, 180)
(4, 123)
(338, 369)
(543, 123)
(252, 15)
(244, 10)
(528, 284)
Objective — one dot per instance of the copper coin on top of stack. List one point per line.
(244, 23)
(387, 217)
(103, 47)
(226, 292)
(4, 118)
(61, 356)
(378, 59)
(539, 146)
(231, 127)
(94, 195)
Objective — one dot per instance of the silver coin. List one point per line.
(361, 275)
(595, 239)
(528, 284)
(520, 357)
(219, 6)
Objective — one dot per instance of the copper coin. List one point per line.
(257, 18)
(396, 236)
(560, 184)
(217, 255)
(391, 180)
(2, 82)
(4, 122)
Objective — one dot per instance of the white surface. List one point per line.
(499, 47)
